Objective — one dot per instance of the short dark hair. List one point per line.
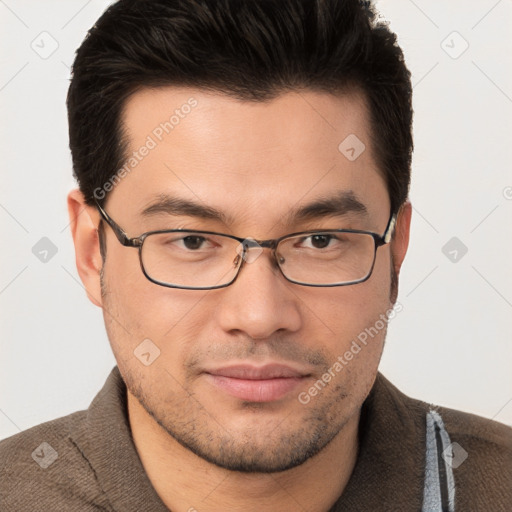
(252, 50)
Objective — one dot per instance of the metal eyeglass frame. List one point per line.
(272, 244)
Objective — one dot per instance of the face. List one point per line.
(241, 376)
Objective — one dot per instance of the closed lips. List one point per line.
(248, 372)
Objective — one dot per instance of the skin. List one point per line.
(255, 162)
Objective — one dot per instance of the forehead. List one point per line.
(218, 120)
(249, 158)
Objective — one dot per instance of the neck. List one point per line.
(186, 482)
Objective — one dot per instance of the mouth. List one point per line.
(256, 383)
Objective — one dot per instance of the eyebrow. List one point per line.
(338, 205)
(183, 207)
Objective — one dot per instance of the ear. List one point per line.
(84, 220)
(400, 240)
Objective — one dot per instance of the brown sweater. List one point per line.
(87, 461)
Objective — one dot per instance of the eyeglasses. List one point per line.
(206, 260)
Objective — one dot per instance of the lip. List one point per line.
(256, 383)
(251, 372)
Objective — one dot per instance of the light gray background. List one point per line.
(451, 344)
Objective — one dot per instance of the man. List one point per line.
(241, 220)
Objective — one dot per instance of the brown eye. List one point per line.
(193, 242)
(320, 241)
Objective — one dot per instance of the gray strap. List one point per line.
(439, 490)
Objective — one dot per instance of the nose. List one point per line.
(260, 302)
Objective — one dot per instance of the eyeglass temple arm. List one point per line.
(386, 237)
(120, 234)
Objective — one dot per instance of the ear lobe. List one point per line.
(83, 222)
(400, 240)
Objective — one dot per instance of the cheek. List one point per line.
(376, 290)
(354, 313)
(137, 309)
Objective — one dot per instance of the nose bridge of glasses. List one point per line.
(250, 249)
(249, 243)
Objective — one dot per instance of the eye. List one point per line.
(318, 241)
(190, 242)
(193, 242)
(321, 241)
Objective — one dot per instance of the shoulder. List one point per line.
(487, 443)
(44, 461)
(474, 429)
(477, 430)
(480, 452)
(481, 459)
